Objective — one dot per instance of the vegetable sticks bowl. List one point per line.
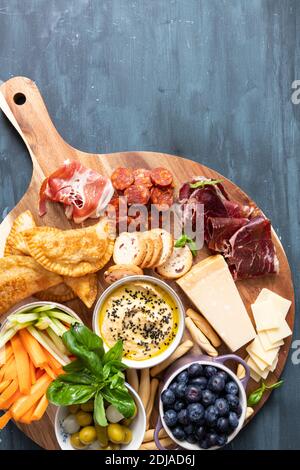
(138, 426)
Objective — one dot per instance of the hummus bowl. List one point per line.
(146, 313)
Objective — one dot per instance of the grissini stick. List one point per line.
(167, 441)
(205, 327)
(132, 379)
(144, 389)
(199, 338)
(153, 390)
(249, 412)
(182, 349)
(149, 435)
(240, 372)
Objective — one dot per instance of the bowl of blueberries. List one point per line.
(202, 402)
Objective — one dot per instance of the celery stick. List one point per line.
(64, 317)
(6, 336)
(44, 308)
(57, 341)
(23, 317)
(60, 325)
(43, 323)
(45, 341)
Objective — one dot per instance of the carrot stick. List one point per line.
(27, 417)
(4, 419)
(33, 348)
(11, 400)
(10, 371)
(39, 373)
(22, 364)
(40, 409)
(50, 372)
(24, 403)
(10, 390)
(32, 372)
(4, 384)
(5, 354)
(52, 361)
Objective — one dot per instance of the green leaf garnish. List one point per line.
(183, 240)
(255, 397)
(203, 183)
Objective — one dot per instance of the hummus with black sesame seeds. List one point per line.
(143, 316)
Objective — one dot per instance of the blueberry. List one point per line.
(204, 444)
(192, 393)
(195, 370)
(212, 438)
(170, 418)
(189, 429)
(183, 377)
(180, 390)
(211, 416)
(233, 419)
(223, 374)
(221, 440)
(183, 417)
(178, 433)
(168, 397)
(222, 425)
(232, 388)
(208, 398)
(200, 432)
(210, 371)
(216, 383)
(173, 386)
(239, 410)
(222, 406)
(191, 439)
(233, 401)
(200, 382)
(179, 405)
(195, 412)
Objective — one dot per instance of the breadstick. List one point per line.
(182, 349)
(205, 327)
(144, 389)
(132, 379)
(199, 338)
(240, 372)
(167, 441)
(249, 412)
(153, 390)
(149, 435)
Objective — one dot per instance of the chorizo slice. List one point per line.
(162, 198)
(122, 178)
(161, 177)
(143, 176)
(137, 194)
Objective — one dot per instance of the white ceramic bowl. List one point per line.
(138, 426)
(163, 285)
(242, 396)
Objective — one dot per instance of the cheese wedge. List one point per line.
(210, 286)
(266, 315)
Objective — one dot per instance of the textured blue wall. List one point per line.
(207, 79)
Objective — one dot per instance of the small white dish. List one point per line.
(172, 347)
(138, 426)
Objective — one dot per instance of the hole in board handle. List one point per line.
(19, 99)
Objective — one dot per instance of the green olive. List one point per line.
(88, 406)
(84, 418)
(102, 435)
(116, 433)
(87, 435)
(111, 446)
(73, 409)
(128, 435)
(76, 442)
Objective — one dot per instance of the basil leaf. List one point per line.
(181, 241)
(192, 247)
(99, 410)
(74, 366)
(274, 386)
(87, 338)
(117, 380)
(82, 378)
(121, 399)
(203, 183)
(89, 358)
(64, 394)
(115, 353)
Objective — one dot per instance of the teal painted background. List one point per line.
(206, 79)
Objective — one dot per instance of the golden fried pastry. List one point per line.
(85, 287)
(15, 243)
(71, 252)
(59, 293)
(20, 277)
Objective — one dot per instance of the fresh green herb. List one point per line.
(202, 183)
(94, 374)
(255, 397)
(183, 240)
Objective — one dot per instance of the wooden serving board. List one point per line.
(22, 103)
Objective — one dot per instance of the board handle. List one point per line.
(23, 105)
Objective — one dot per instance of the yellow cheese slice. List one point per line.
(279, 333)
(266, 315)
(281, 304)
(255, 376)
(266, 356)
(274, 365)
(266, 343)
(263, 374)
(210, 286)
(262, 365)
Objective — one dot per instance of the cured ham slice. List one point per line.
(252, 251)
(84, 192)
(221, 229)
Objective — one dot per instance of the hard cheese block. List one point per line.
(210, 286)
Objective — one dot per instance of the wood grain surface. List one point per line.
(23, 105)
(207, 79)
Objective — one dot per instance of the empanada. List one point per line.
(20, 277)
(15, 243)
(71, 252)
(59, 293)
(85, 287)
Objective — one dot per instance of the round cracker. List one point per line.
(158, 248)
(119, 271)
(149, 250)
(130, 248)
(178, 264)
(168, 244)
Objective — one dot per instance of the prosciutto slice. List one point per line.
(84, 192)
(221, 229)
(252, 251)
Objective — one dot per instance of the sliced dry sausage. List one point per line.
(122, 178)
(161, 177)
(143, 176)
(137, 194)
